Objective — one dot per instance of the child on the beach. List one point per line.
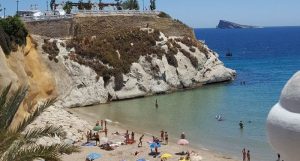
(166, 137)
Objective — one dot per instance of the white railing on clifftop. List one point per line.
(89, 12)
(119, 12)
(46, 17)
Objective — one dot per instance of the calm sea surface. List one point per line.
(264, 58)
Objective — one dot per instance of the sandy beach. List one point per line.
(126, 152)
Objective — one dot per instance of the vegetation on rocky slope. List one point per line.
(113, 53)
(12, 34)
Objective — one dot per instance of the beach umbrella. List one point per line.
(182, 142)
(166, 156)
(93, 156)
(154, 145)
(142, 159)
(97, 128)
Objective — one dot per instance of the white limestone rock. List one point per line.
(283, 123)
(78, 84)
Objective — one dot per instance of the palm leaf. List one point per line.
(7, 140)
(3, 97)
(11, 107)
(36, 113)
(49, 153)
(36, 133)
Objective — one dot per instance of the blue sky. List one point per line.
(207, 13)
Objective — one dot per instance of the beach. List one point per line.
(126, 152)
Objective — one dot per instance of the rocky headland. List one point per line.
(91, 60)
(223, 24)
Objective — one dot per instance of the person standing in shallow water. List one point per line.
(156, 103)
(248, 155)
(244, 154)
(241, 125)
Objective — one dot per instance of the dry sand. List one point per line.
(126, 152)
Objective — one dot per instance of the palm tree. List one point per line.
(17, 145)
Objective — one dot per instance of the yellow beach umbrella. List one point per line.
(166, 156)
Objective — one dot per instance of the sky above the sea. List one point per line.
(207, 13)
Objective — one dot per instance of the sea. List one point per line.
(264, 58)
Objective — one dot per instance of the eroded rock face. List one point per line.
(26, 68)
(283, 123)
(79, 85)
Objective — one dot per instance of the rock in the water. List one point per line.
(231, 25)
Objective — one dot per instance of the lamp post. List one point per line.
(4, 11)
(18, 7)
(47, 5)
(143, 5)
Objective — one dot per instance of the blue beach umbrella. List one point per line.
(154, 145)
(93, 156)
(142, 159)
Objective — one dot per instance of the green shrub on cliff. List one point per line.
(131, 5)
(118, 49)
(13, 28)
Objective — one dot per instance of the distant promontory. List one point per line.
(223, 24)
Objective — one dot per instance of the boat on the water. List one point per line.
(229, 53)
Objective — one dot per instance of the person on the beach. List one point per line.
(182, 136)
(105, 132)
(244, 154)
(278, 157)
(126, 137)
(166, 137)
(97, 123)
(241, 125)
(156, 103)
(132, 136)
(101, 123)
(97, 138)
(162, 137)
(248, 155)
(105, 122)
(156, 150)
(140, 141)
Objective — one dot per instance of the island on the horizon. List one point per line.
(223, 24)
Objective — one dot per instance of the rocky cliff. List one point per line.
(26, 68)
(231, 25)
(96, 65)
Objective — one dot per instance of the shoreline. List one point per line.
(172, 147)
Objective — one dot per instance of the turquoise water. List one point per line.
(264, 58)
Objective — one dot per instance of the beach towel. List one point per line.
(88, 144)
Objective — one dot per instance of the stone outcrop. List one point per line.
(283, 123)
(231, 25)
(78, 86)
(26, 68)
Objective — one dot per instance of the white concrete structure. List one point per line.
(283, 123)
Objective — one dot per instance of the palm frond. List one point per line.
(11, 106)
(7, 140)
(36, 133)
(49, 153)
(36, 113)
(3, 97)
